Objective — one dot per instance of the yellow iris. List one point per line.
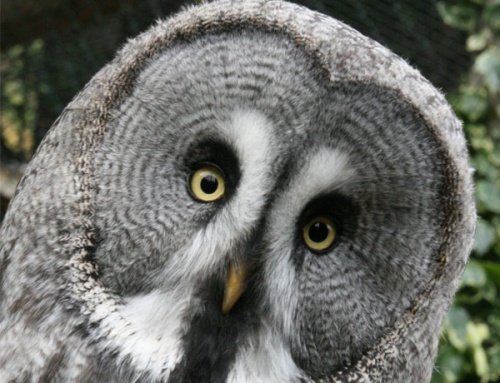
(319, 233)
(207, 184)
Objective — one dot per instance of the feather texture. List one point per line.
(111, 271)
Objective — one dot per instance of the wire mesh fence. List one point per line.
(51, 48)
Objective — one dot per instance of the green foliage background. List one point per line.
(470, 345)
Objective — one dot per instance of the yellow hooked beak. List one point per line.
(235, 286)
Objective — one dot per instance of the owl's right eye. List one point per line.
(319, 234)
(207, 183)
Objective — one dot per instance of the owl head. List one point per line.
(249, 192)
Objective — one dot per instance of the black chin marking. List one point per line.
(213, 340)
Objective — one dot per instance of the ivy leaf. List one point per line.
(485, 236)
(460, 16)
(456, 326)
(489, 195)
(488, 65)
(478, 41)
(481, 362)
(473, 104)
(493, 271)
(477, 333)
(492, 16)
(494, 361)
(474, 275)
(484, 167)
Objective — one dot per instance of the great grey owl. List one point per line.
(249, 192)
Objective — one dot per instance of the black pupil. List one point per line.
(318, 232)
(209, 184)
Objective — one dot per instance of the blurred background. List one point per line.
(51, 48)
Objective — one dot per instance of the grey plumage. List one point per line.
(110, 270)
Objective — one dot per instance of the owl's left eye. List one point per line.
(207, 183)
(319, 234)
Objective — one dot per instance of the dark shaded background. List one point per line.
(63, 43)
